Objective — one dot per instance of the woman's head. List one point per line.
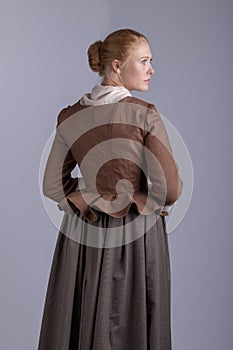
(114, 56)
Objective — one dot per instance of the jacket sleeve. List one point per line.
(57, 180)
(162, 168)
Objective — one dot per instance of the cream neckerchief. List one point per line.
(104, 94)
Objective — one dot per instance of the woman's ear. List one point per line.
(116, 66)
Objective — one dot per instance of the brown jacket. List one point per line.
(124, 156)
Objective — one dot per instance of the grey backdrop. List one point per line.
(44, 68)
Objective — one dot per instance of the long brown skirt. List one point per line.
(104, 297)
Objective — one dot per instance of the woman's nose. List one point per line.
(151, 70)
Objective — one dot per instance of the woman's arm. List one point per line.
(57, 181)
(162, 167)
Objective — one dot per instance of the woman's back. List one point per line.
(117, 146)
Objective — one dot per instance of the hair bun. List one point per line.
(94, 56)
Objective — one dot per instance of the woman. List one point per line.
(109, 285)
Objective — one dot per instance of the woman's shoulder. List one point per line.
(131, 99)
(68, 111)
(77, 106)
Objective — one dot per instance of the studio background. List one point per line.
(43, 69)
